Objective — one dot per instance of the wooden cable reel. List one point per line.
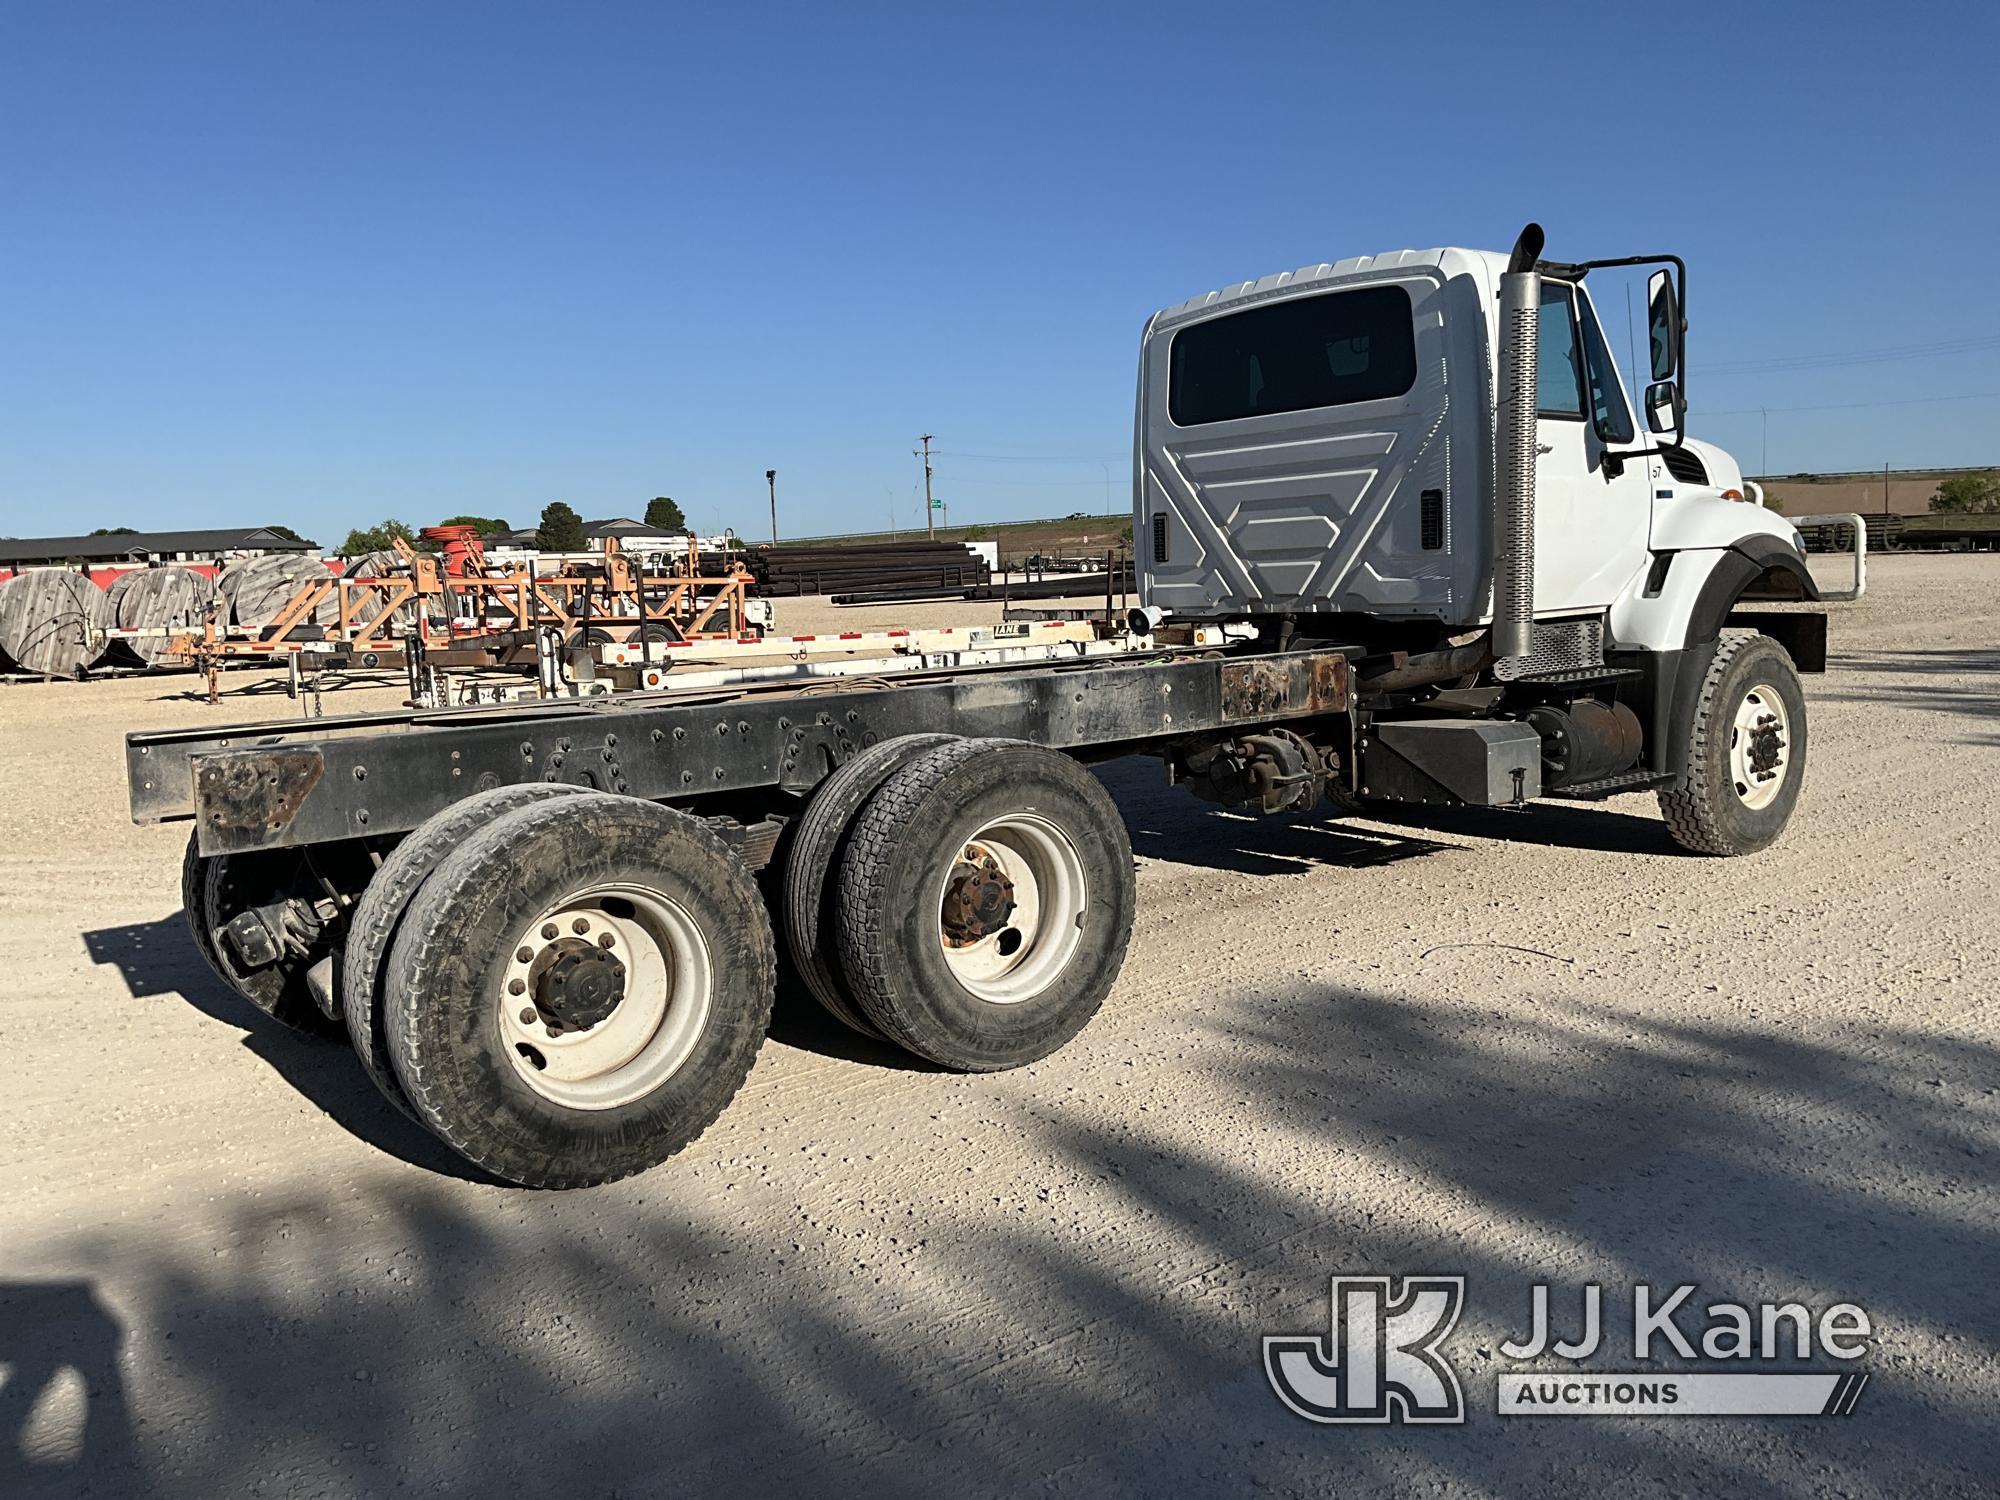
(52, 621)
(165, 602)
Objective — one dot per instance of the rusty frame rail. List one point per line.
(296, 783)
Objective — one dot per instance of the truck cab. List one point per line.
(1431, 461)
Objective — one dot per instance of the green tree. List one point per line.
(116, 531)
(289, 535)
(488, 527)
(1968, 495)
(377, 538)
(665, 514)
(561, 529)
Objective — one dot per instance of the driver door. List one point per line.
(1592, 518)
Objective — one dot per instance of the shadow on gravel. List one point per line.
(62, 1401)
(1243, 843)
(1547, 825)
(1086, 1319)
(1168, 823)
(253, 681)
(158, 959)
(1917, 668)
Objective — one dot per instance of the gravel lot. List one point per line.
(228, 1267)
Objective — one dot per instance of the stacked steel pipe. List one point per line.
(830, 568)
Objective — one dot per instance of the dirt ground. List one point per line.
(1522, 1048)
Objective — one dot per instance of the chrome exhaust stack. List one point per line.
(1514, 449)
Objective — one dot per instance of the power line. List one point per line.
(1751, 411)
(1835, 359)
(1034, 484)
(1025, 458)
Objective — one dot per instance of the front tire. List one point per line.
(579, 990)
(987, 899)
(1746, 751)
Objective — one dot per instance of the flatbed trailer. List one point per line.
(552, 930)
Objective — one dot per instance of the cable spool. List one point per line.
(116, 589)
(260, 588)
(227, 579)
(170, 599)
(52, 621)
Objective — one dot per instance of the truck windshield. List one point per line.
(1294, 355)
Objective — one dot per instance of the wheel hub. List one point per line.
(1011, 908)
(581, 984)
(1765, 745)
(1760, 747)
(978, 898)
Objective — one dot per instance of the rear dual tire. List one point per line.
(986, 901)
(378, 915)
(475, 1030)
(818, 843)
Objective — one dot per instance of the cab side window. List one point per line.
(1608, 411)
(1558, 381)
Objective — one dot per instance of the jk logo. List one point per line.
(1380, 1362)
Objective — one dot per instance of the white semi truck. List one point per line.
(1401, 539)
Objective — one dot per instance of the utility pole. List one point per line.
(1885, 487)
(771, 478)
(930, 525)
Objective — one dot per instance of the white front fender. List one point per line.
(1642, 621)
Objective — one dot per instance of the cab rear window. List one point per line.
(1296, 355)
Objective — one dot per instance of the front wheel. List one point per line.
(1746, 751)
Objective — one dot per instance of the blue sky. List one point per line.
(318, 264)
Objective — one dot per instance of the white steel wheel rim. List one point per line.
(1760, 747)
(1023, 958)
(669, 988)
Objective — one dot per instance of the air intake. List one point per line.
(1160, 537)
(1685, 465)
